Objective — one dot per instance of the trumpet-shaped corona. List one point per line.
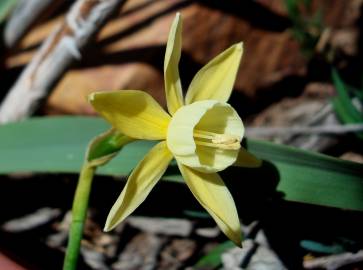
(205, 135)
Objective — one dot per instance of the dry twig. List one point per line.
(326, 129)
(23, 17)
(334, 262)
(60, 49)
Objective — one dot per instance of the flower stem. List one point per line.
(79, 213)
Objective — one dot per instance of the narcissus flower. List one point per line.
(202, 132)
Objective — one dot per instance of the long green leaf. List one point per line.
(312, 177)
(57, 144)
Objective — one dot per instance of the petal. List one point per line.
(135, 113)
(173, 90)
(246, 159)
(213, 195)
(216, 79)
(141, 181)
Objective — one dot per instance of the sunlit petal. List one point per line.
(140, 183)
(216, 79)
(173, 90)
(213, 195)
(134, 113)
(246, 159)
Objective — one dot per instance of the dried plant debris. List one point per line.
(176, 253)
(164, 226)
(305, 122)
(335, 262)
(140, 253)
(30, 221)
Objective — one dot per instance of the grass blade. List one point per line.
(343, 103)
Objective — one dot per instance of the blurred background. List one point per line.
(302, 68)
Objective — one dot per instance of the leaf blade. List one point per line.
(58, 144)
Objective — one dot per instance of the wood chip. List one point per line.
(163, 226)
(140, 253)
(31, 221)
(177, 252)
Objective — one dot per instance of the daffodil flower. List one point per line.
(202, 132)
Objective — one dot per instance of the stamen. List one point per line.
(204, 134)
(225, 139)
(215, 140)
(234, 146)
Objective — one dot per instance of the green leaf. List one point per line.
(306, 28)
(5, 7)
(314, 178)
(58, 144)
(343, 103)
(213, 259)
(314, 246)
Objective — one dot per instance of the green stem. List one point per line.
(79, 213)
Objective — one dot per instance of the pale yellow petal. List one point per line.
(173, 90)
(216, 79)
(213, 195)
(141, 181)
(135, 113)
(246, 159)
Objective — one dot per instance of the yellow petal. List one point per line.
(173, 90)
(216, 79)
(135, 113)
(140, 183)
(246, 159)
(213, 195)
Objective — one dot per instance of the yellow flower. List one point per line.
(202, 132)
